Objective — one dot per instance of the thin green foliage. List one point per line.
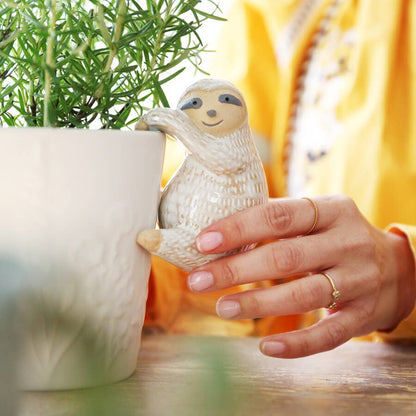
(71, 63)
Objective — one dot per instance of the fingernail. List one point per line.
(198, 281)
(272, 348)
(228, 309)
(209, 241)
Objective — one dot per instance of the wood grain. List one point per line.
(183, 375)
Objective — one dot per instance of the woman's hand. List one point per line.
(373, 270)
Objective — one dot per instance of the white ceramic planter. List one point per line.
(71, 204)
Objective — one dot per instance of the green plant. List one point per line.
(69, 63)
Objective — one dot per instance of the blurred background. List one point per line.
(210, 33)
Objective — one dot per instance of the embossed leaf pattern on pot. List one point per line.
(108, 270)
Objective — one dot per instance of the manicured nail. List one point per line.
(228, 309)
(209, 241)
(272, 348)
(199, 281)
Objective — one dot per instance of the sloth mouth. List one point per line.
(212, 125)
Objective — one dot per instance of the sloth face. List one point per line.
(218, 111)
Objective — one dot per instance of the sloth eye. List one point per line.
(192, 103)
(229, 99)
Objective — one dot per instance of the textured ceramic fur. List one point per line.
(72, 202)
(222, 172)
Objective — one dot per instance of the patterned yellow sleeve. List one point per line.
(405, 333)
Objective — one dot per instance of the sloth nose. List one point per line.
(212, 113)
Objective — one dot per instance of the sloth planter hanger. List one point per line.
(221, 174)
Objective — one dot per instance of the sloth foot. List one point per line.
(150, 240)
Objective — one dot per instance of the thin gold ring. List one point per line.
(335, 292)
(315, 221)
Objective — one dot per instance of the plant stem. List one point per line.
(49, 65)
(117, 34)
(155, 56)
(32, 105)
(156, 49)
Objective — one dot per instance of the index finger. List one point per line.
(279, 218)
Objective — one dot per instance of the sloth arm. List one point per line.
(175, 123)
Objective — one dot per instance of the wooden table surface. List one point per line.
(198, 376)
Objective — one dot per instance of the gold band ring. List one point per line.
(335, 293)
(315, 221)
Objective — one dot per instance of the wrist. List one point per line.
(405, 275)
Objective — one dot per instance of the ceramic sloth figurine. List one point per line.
(221, 174)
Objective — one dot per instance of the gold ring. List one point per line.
(315, 221)
(335, 293)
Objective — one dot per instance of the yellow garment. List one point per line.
(361, 99)
(360, 111)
